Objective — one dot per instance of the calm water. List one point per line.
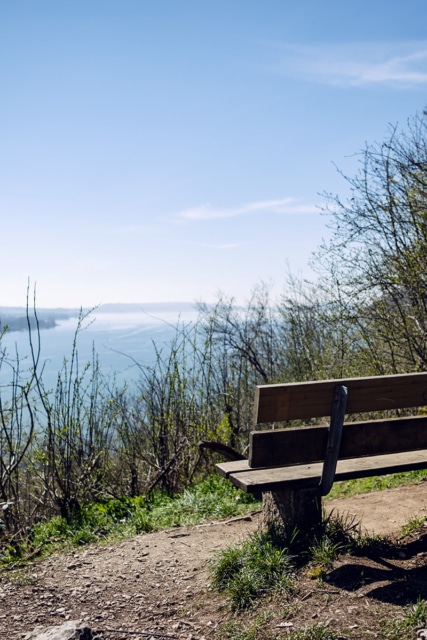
(118, 338)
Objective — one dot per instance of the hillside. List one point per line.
(159, 583)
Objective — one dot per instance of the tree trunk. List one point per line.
(288, 510)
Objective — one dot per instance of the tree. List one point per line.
(378, 250)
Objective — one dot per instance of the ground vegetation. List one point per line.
(88, 440)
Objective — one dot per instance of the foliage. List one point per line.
(414, 525)
(17, 432)
(348, 488)
(121, 517)
(245, 572)
(377, 254)
(236, 630)
(414, 617)
(317, 339)
(267, 562)
(315, 632)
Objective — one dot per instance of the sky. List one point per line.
(156, 150)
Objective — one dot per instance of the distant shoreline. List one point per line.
(20, 323)
(15, 318)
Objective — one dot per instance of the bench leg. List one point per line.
(290, 509)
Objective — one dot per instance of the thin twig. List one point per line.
(247, 518)
(142, 633)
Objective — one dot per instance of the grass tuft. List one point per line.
(414, 525)
(266, 562)
(414, 617)
(247, 571)
(235, 630)
(314, 632)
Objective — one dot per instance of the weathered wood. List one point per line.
(226, 468)
(298, 476)
(334, 439)
(301, 445)
(302, 400)
(223, 449)
(291, 509)
(294, 467)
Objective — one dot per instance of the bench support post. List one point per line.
(288, 510)
(334, 439)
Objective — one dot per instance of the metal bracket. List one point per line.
(339, 404)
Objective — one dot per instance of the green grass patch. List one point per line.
(414, 525)
(236, 630)
(348, 488)
(267, 562)
(254, 568)
(414, 617)
(213, 498)
(314, 632)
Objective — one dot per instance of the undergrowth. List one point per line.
(236, 630)
(257, 566)
(213, 498)
(349, 488)
(413, 618)
(267, 562)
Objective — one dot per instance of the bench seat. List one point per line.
(295, 467)
(302, 475)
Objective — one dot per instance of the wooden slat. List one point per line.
(256, 480)
(301, 400)
(278, 447)
(236, 466)
(302, 445)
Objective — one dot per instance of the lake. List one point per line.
(119, 338)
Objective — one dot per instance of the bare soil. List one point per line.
(159, 583)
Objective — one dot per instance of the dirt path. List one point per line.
(385, 512)
(159, 583)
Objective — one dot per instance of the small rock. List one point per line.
(71, 630)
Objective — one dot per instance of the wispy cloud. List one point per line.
(285, 206)
(217, 246)
(360, 64)
(226, 246)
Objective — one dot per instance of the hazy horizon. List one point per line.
(116, 307)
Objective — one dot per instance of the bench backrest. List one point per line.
(293, 401)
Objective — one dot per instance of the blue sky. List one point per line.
(163, 150)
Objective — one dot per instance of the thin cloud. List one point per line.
(285, 206)
(227, 246)
(361, 64)
(222, 246)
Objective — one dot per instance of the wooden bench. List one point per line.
(294, 467)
